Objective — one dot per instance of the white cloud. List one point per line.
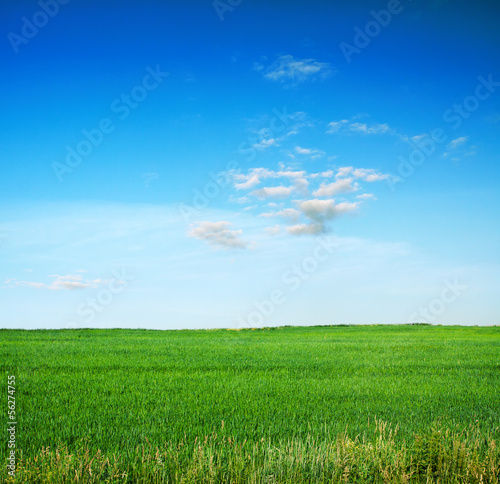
(309, 152)
(343, 185)
(218, 234)
(372, 129)
(344, 171)
(252, 178)
(346, 126)
(250, 183)
(336, 126)
(366, 196)
(308, 213)
(302, 151)
(264, 143)
(346, 207)
(323, 174)
(418, 138)
(68, 282)
(273, 192)
(369, 175)
(454, 144)
(256, 175)
(299, 178)
(287, 69)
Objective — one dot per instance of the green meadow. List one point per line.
(291, 404)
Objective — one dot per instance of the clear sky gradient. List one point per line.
(242, 163)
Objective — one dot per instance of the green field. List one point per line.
(123, 392)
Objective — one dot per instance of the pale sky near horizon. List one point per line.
(243, 163)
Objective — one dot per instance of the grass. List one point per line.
(297, 404)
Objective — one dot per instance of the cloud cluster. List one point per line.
(218, 234)
(295, 197)
(305, 202)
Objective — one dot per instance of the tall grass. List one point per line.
(439, 456)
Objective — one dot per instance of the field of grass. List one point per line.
(319, 404)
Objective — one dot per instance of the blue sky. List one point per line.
(244, 163)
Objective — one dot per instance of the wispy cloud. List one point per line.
(149, 177)
(218, 234)
(365, 174)
(264, 143)
(459, 147)
(269, 131)
(68, 282)
(346, 126)
(312, 153)
(288, 70)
